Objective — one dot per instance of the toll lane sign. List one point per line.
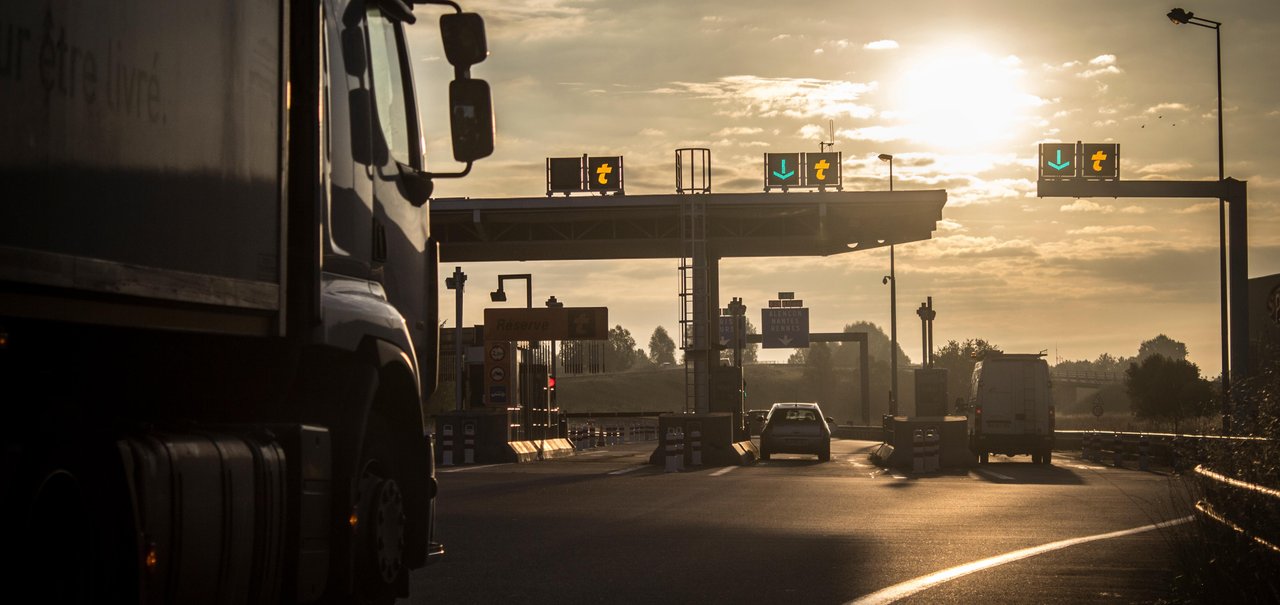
(1058, 161)
(1100, 160)
(784, 328)
(604, 173)
(782, 170)
(822, 169)
(1072, 161)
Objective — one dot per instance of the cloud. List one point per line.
(881, 45)
(780, 37)
(968, 246)
(736, 130)
(758, 96)
(818, 51)
(1198, 208)
(1086, 206)
(1093, 73)
(1112, 229)
(1163, 167)
(1162, 107)
(1133, 210)
(1103, 60)
(652, 132)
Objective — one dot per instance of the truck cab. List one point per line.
(1011, 410)
(218, 287)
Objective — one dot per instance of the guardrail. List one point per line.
(589, 431)
(1223, 493)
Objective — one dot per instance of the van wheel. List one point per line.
(1047, 458)
(1037, 458)
(984, 458)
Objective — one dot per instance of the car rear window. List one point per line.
(795, 416)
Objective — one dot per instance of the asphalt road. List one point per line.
(603, 527)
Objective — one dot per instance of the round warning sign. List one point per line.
(498, 374)
(497, 352)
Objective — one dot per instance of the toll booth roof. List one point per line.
(648, 226)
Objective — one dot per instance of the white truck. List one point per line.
(1012, 411)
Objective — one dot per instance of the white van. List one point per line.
(1011, 408)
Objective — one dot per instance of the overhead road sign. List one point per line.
(565, 175)
(552, 323)
(782, 170)
(822, 170)
(604, 174)
(1058, 161)
(585, 174)
(802, 170)
(1100, 160)
(1079, 161)
(784, 328)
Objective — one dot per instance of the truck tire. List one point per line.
(380, 532)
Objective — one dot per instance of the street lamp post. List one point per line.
(892, 280)
(500, 295)
(1181, 17)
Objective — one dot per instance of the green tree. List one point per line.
(662, 349)
(1168, 389)
(819, 371)
(620, 354)
(1162, 345)
(959, 358)
(751, 352)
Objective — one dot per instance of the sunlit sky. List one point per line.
(959, 92)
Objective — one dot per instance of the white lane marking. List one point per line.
(459, 469)
(910, 587)
(995, 475)
(623, 471)
(723, 471)
(1087, 467)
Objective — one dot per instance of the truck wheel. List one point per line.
(380, 513)
(764, 452)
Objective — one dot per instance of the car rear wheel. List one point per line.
(825, 455)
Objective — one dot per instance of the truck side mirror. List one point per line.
(471, 119)
(464, 39)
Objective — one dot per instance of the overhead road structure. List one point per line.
(648, 226)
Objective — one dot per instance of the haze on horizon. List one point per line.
(959, 93)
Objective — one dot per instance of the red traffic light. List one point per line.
(551, 382)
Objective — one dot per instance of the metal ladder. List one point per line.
(695, 319)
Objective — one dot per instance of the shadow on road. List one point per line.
(1027, 473)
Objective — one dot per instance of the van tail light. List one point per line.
(977, 419)
(1053, 419)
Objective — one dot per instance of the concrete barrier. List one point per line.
(953, 441)
(719, 448)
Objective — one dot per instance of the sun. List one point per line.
(949, 98)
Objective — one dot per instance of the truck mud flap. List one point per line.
(210, 515)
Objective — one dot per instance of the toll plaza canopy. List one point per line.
(649, 226)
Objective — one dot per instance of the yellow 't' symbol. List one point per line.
(603, 170)
(822, 166)
(1098, 157)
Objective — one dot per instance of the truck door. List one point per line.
(403, 257)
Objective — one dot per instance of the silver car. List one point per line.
(796, 428)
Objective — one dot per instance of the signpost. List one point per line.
(781, 170)
(1079, 161)
(1103, 160)
(823, 170)
(553, 323)
(784, 327)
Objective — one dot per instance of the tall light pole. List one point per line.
(892, 280)
(1182, 17)
(551, 381)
